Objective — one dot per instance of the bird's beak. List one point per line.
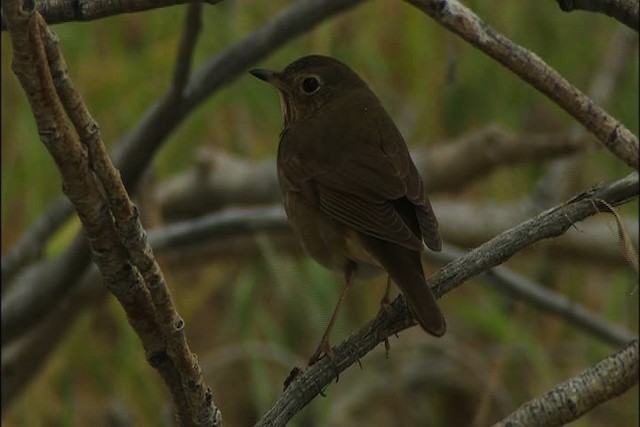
(269, 76)
(262, 74)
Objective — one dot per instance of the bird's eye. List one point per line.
(310, 85)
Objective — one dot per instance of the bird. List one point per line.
(352, 194)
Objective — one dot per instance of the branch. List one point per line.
(59, 11)
(37, 288)
(31, 245)
(571, 399)
(462, 21)
(625, 11)
(110, 220)
(190, 32)
(551, 223)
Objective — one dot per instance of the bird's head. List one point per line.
(311, 84)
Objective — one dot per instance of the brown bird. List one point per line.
(352, 194)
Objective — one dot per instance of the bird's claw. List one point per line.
(324, 349)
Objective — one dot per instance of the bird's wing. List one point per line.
(360, 184)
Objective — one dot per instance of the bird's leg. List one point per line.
(350, 270)
(385, 305)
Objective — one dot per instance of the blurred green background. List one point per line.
(250, 322)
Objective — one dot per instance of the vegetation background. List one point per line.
(251, 321)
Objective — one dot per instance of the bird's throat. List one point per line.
(288, 113)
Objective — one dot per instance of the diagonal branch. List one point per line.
(462, 21)
(190, 32)
(551, 223)
(110, 220)
(573, 398)
(31, 244)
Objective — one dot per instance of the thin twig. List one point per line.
(190, 32)
(31, 244)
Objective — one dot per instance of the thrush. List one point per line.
(352, 194)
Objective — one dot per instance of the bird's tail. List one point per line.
(405, 268)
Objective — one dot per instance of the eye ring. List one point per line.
(310, 85)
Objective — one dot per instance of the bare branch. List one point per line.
(118, 243)
(190, 32)
(573, 398)
(553, 222)
(625, 11)
(462, 21)
(31, 245)
(59, 11)
(36, 289)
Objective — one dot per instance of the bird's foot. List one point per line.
(387, 348)
(324, 349)
(385, 309)
(385, 302)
